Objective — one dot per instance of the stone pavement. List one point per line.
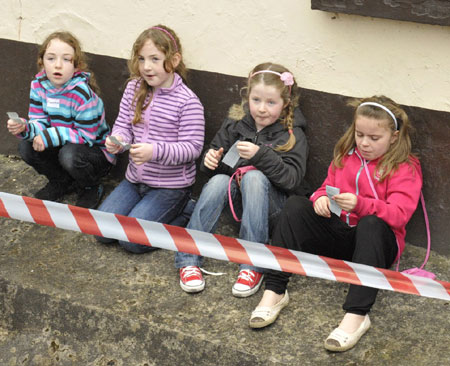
(67, 300)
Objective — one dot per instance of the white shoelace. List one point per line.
(247, 275)
(212, 273)
(190, 271)
(194, 271)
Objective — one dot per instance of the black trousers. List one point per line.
(84, 164)
(371, 242)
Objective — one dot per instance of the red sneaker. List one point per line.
(248, 283)
(191, 279)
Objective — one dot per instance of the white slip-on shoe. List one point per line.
(263, 316)
(340, 341)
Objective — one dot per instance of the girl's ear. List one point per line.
(394, 136)
(176, 59)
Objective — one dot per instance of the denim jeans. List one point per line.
(257, 200)
(143, 202)
(84, 164)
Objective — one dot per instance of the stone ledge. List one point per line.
(41, 329)
(67, 300)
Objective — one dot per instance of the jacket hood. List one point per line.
(79, 77)
(299, 119)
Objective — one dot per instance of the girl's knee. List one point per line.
(372, 222)
(219, 179)
(68, 157)
(375, 240)
(217, 183)
(27, 152)
(255, 183)
(373, 229)
(255, 176)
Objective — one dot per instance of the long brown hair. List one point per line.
(289, 94)
(79, 59)
(165, 44)
(399, 151)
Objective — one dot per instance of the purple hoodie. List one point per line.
(174, 123)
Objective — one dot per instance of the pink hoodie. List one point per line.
(398, 194)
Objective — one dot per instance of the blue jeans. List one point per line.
(257, 200)
(143, 202)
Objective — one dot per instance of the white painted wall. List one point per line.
(342, 54)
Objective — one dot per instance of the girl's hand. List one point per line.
(212, 158)
(111, 147)
(322, 206)
(346, 201)
(38, 143)
(247, 150)
(141, 153)
(14, 127)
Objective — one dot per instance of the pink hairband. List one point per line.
(286, 77)
(168, 33)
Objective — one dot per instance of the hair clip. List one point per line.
(287, 78)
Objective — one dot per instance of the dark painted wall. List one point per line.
(326, 114)
(422, 11)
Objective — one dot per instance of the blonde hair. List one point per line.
(289, 94)
(163, 42)
(79, 58)
(399, 151)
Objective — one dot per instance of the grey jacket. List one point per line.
(285, 170)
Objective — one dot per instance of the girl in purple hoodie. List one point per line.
(161, 122)
(379, 182)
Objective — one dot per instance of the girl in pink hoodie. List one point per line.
(378, 183)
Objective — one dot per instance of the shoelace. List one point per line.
(212, 273)
(247, 276)
(195, 271)
(190, 271)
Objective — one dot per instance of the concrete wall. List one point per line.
(333, 56)
(340, 54)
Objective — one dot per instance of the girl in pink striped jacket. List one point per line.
(161, 122)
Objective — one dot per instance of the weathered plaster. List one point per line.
(341, 54)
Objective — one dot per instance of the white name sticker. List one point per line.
(52, 103)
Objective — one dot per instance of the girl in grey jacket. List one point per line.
(265, 133)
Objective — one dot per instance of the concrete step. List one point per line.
(67, 300)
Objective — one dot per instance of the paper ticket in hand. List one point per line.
(15, 117)
(232, 156)
(334, 207)
(124, 145)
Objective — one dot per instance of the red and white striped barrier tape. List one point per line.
(214, 246)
